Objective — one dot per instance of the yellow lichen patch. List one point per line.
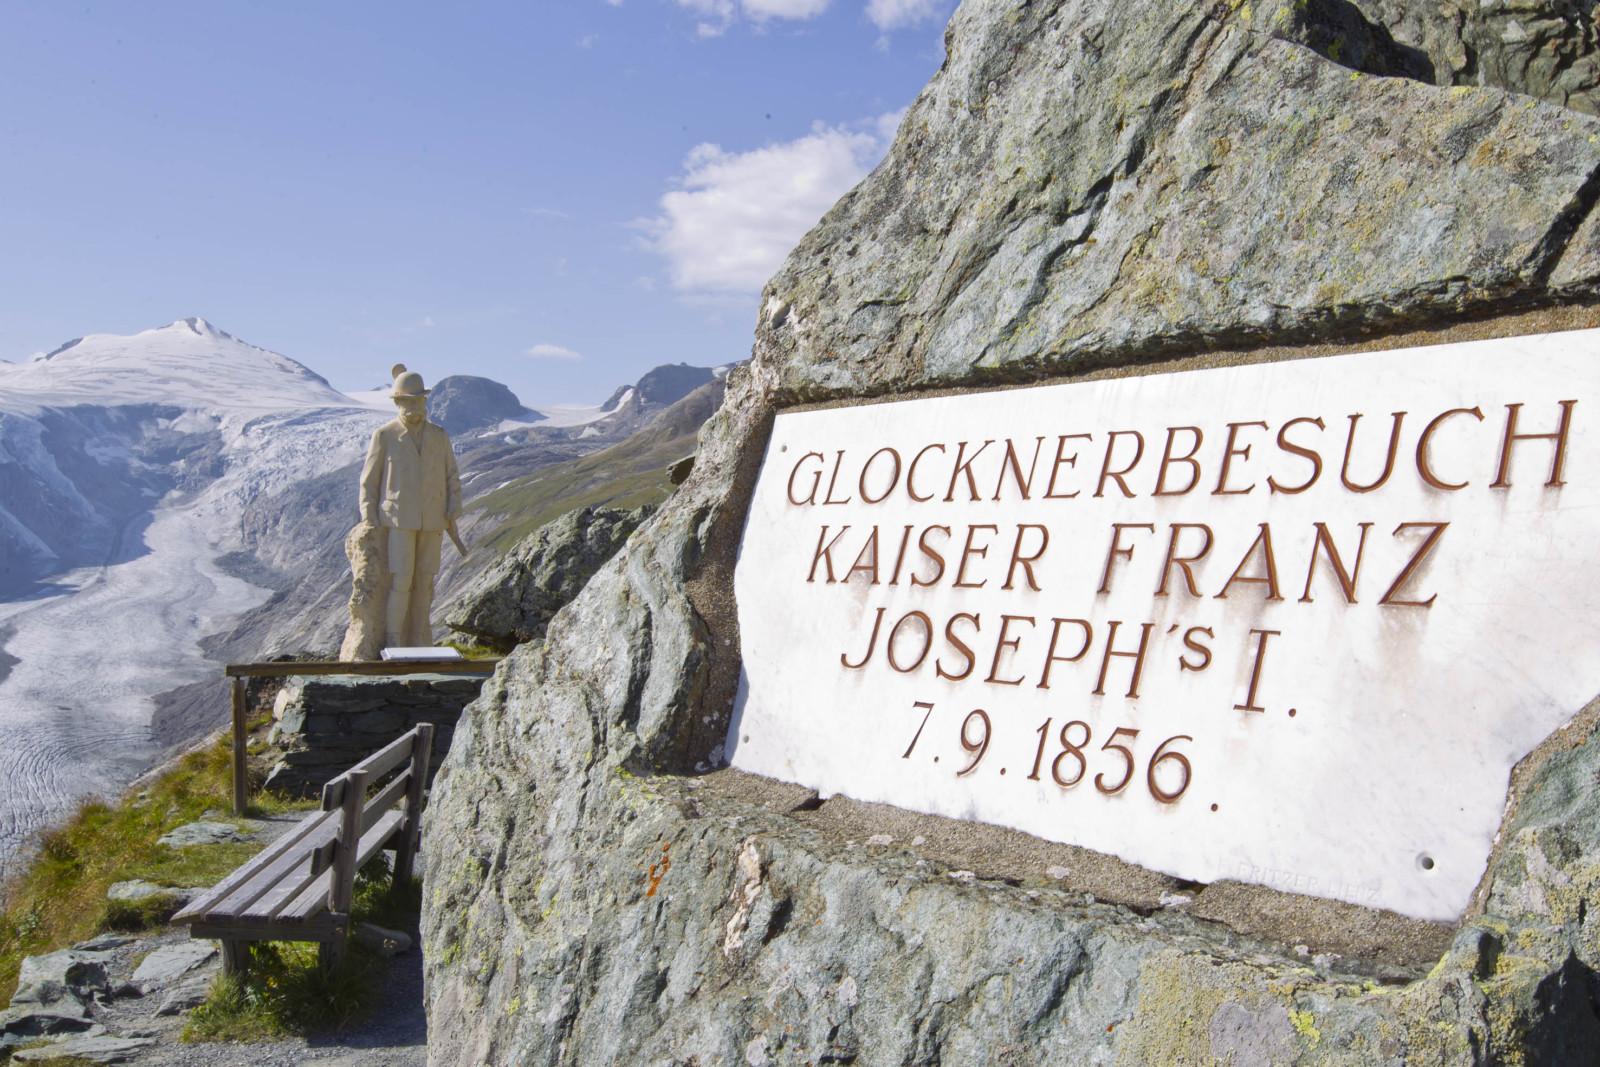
(1305, 1024)
(1512, 970)
(1582, 892)
(1179, 996)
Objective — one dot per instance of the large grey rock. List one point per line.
(171, 962)
(1544, 48)
(1082, 186)
(20, 1026)
(100, 1049)
(381, 940)
(187, 995)
(514, 600)
(203, 833)
(81, 971)
(56, 985)
(137, 889)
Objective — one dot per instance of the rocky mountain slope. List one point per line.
(1082, 187)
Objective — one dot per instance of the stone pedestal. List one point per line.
(327, 724)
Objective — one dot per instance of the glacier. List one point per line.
(125, 465)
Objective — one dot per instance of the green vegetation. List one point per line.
(60, 897)
(626, 475)
(472, 651)
(283, 990)
(131, 916)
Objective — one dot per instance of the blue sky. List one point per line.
(558, 195)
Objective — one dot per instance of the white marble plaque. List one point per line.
(1290, 624)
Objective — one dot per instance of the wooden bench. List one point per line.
(299, 887)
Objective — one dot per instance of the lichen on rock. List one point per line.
(1082, 188)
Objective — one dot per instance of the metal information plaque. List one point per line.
(1290, 624)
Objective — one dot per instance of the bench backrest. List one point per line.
(278, 882)
(347, 795)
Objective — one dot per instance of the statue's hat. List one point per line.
(407, 382)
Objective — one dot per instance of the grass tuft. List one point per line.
(285, 991)
(133, 916)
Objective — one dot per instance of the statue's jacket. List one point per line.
(407, 486)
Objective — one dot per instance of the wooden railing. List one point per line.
(241, 673)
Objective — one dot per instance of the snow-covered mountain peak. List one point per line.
(189, 363)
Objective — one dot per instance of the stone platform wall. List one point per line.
(327, 724)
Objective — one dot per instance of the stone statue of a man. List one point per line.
(410, 496)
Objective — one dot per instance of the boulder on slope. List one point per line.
(1081, 186)
(513, 600)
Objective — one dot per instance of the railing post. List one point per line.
(241, 778)
(405, 855)
(342, 885)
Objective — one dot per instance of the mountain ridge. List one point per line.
(188, 363)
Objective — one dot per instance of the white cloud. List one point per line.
(894, 14)
(720, 9)
(546, 213)
(784, 9)
(588, 40)
(726, 12)
(738, 213)
(548, 351)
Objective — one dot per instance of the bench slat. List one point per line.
(373, 840)
(288, 900)
(315, 896)
(198, 907)
(271, 903)
(385, 799)
(291, 868)
(385, 759)
(316, 928)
